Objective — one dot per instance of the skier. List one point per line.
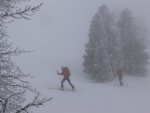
(66, 73)
(119, 74)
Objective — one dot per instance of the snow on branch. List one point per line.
(34, 103)
(28, 11)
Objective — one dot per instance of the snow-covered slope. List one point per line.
(92, 97)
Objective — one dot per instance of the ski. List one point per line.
(61, 89)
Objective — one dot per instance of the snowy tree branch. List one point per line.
(28, 11)
(34, 103)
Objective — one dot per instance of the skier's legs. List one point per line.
(121, 83)
(62, 85)
(120, 80)
(68, 79)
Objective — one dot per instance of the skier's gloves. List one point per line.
(58, 72)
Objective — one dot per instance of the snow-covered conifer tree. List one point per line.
(100, 54)
(133, 48)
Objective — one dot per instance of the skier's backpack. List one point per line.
(68, 71)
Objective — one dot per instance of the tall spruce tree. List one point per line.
(133, 49)
(100, 53)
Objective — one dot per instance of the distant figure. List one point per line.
(66, 73)
(119, 74)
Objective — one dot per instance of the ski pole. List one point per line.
(58, 75)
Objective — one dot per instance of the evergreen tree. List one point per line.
(133, 48)
(100, 54)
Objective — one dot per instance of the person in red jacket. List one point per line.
(119, 74)
(66, 73)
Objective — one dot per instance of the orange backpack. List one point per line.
(67, 71)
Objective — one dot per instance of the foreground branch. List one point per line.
(35, 103)
(28, 11)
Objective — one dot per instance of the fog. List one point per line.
(58, 32)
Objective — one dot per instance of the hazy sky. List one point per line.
(60, 29)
